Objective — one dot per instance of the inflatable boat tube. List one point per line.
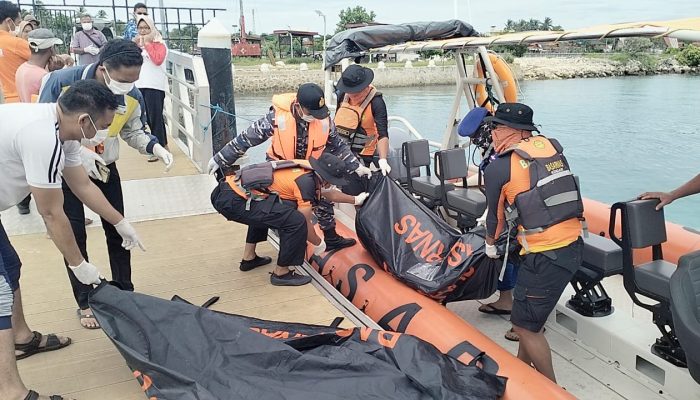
(398, 308)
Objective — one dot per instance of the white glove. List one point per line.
(491, 251)
(128, 233)
(360, 198)
(89, 158)
(87, 273)
(92, 50)
(362, 170)
(164, 155)
(213, 166)
(320, 248)
(384, 166)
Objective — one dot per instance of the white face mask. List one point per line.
(308, 118)
(100, 135)
(118, 88)
(87, 26)
(14, 31)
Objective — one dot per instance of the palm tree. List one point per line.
(547, 24)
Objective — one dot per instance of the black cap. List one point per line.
(331, 168)
(355, 78)
(514, 115)
(310, 96)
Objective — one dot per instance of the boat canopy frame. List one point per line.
(687, 30)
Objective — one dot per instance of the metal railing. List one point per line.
(179, 25)
(187, 114)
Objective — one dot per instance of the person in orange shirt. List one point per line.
(286, 205)
(530, 185)
(13, 50)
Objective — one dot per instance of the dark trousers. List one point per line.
(154, 100)
(119, 258)
(263, 215)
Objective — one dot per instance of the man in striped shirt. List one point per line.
(40, 146)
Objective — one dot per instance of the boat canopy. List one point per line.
(687, 29)
(356, 42)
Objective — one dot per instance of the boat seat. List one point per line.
(685, 308)
(642, 226)
(601, 258)
(467, 201)
(466, 204)
(414, 155)
(654, 277)
(429, 186)
(398, 170)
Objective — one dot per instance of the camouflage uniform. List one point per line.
(263, 129)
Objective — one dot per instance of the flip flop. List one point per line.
(82, 316)
(33, 346)
(512, 336)
(32, 395)
(490, 309)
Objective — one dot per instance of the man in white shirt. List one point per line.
(40, 145)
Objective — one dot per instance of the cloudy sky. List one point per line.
(300, 15)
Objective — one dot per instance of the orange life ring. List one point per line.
(505, 76)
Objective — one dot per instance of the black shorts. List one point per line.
(542, 278)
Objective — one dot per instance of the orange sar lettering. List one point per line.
(423, 245)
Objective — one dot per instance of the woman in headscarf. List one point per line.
(152, 81)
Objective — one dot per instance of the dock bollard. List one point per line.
(214, 40)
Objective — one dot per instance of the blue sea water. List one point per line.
(622, 136)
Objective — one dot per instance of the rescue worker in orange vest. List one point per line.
(299, 127)
(361, 119)
(285, 204)
(530, 185)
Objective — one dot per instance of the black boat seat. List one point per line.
(602, 255)
(398, 170)
(429, 186)
(601, 258)
(468, 201)
(643, 226)
(654, 277)
(685, 308)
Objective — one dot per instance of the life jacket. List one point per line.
(255, 182)
(355, 123)
(284, 138)
(553, 202)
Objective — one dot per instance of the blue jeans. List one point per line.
(9, 278)
(509, 277)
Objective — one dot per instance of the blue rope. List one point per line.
(218, 109)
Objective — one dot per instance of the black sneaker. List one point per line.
(291, 278)
(339, 242)
(23, 210)
(247, 265)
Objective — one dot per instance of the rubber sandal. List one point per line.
(82, 316)
(31, 348)
(512, 336)
(490, 309)
(32, 395)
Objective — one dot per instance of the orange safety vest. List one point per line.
(351, 120)
(548, 236)
(284, 139)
